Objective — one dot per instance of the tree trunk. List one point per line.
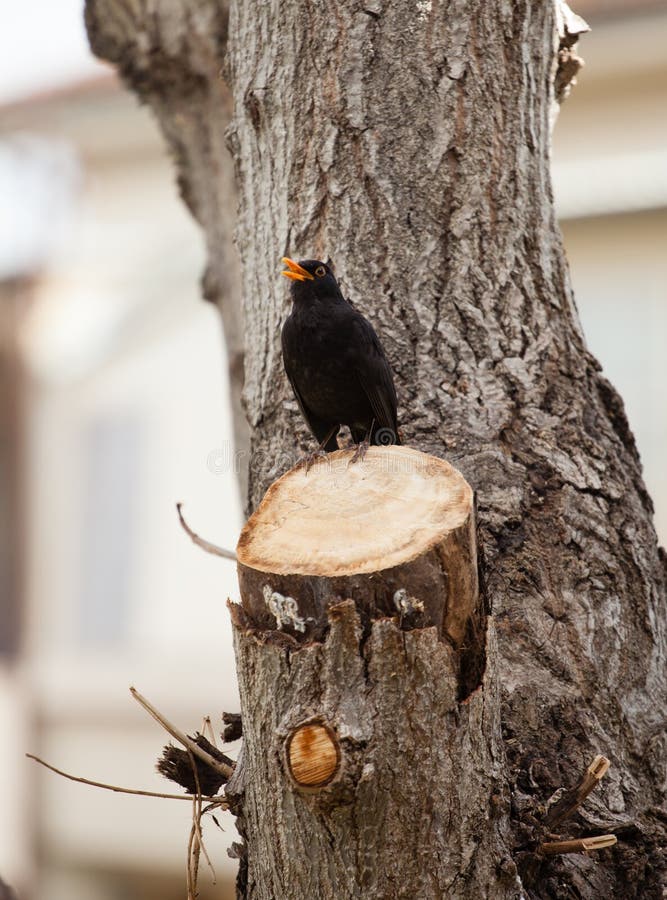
(333, 703)
(412, 147)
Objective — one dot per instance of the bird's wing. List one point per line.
(318, 426)
(321, 429)
(375, 377)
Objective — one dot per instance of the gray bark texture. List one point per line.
(419, 810)
(411, 146)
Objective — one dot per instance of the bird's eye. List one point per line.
(321, 271)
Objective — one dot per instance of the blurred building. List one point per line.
(610, 184)
(113, 407)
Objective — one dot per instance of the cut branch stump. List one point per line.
(396, 532)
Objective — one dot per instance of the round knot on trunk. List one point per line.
(313, 754)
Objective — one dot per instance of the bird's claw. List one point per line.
(360, 453)
(310, 459)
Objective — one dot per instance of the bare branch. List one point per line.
(121, 790)
(200, 542)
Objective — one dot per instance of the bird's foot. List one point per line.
(310, 459)
(360, 453)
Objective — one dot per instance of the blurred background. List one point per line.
(113, 406)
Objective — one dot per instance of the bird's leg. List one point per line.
(314, 455)
(362, 447)
(360, 452)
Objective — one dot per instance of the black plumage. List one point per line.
(335, 362)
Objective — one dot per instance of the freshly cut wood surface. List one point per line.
(341, 519)
(396, 533)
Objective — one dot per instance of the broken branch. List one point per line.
(233, 727)
(221, 767)
(572, 799)
(580, 845)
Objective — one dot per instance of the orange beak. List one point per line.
(295, 271)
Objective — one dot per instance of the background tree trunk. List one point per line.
(412, 147)
(172, 58)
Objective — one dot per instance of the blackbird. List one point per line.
(335, 362)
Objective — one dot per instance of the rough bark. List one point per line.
(412, 147)
(405, 818)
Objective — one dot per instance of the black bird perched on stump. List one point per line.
(335, 362)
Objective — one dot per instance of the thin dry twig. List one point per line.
(201, 542)
(176, 733)
(192, 864)
(121, 790)
(571, 800)
(580, 845)
(207, 731)
(196, 841)
(196, 844)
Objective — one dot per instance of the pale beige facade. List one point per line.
(124, 414)
(610, 184)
